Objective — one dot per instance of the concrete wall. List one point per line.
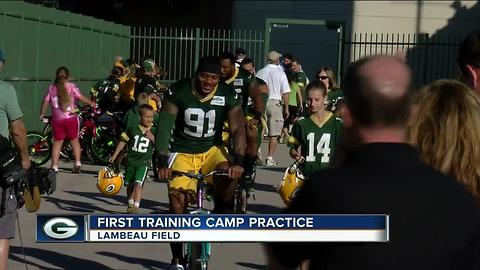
(413, 16)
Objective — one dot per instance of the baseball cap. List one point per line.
(2, 55)
(148, 65)
(274, 55)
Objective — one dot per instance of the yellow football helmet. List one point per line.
(291, 182)
(109, 182)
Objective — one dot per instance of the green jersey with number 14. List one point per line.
(317, 141)
(199, 121)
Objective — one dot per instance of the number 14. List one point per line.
(323, 147)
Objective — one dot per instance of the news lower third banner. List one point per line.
(212, 228)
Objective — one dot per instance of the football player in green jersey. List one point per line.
(140, 139)
(190, 128)
(248, 87)
(316, 135)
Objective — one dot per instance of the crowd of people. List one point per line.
(375, 146)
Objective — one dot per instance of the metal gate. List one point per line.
(430, 57)
(177, 50)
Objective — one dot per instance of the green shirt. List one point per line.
(334, 94)
(199, 121)
(317, 142)
(9, 108)
(140, 148)
(241, 82)
(301, 79)
(294, 88)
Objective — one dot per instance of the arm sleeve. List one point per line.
(285, 87)
(75, 91)
(48, 96)
(233, 99)
(295, 137)
(12, 107)
(166, 121)
(124, 136)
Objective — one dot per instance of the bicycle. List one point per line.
(103, 143)
(197, 255)
(39, 147)
(40, 144)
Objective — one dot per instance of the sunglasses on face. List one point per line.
(322, 77)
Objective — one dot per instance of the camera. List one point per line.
(44, 178)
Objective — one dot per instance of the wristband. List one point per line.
(238, 160)
(162, 161)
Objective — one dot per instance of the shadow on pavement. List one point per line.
(60, 260)
(77, 206)
(252, 265)
(264, 208)
(265, 187)
(121, 199)
(83, 171)
(147, 264)
(273, 169)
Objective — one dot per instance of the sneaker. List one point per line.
(129, 209)
(260, 161)
(270, 163)
(76, 169)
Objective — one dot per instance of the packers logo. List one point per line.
(60, 228)
(238, 82)
(110, 188)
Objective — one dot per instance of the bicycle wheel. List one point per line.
(39, 147)
(240, 206)
(102, 149)
(47, 129)
(193, 256)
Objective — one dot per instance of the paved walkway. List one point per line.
(78, 194)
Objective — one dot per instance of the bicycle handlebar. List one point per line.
(199, 176)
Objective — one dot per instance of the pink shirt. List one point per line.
(52, 98)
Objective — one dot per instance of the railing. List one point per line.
(430, 57)
(177, 50)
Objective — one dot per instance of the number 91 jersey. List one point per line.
(199, 121)
(317, 141)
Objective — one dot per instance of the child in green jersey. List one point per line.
(316, 135)
(140, 139)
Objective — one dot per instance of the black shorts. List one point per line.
(7, 221)
(292, 114)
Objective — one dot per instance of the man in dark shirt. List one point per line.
(434, 223)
